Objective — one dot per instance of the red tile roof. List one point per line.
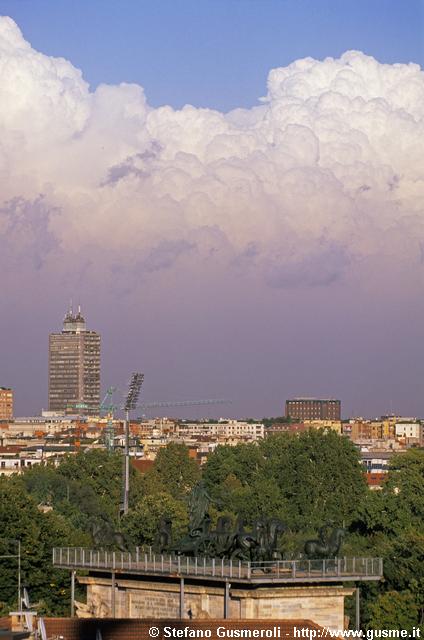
(11, 448)
(142, 465)
(375, 479)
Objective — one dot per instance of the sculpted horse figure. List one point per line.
(266, 533)
(223, 536)
(258, 545)
(105, 535)
(327, 546)
(244, 543)
(261, 535)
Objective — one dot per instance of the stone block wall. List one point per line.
(141, 598)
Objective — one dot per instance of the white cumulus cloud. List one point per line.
(325, 173)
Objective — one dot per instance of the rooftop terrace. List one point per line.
(143, 562)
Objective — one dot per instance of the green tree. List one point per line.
(319, 475)
(304, 479)
(244, 462)
(173, 472)
(394, 610)
(389, 523)
(405, 487)
(269, 422)
(83, 485)
(99, 470)
(231, 474)
(141, 522)
(38, 532)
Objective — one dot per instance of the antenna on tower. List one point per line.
(25, 598)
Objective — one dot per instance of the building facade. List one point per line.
(74, 368)
(226, 429)
(6, 403)
(408, 430)
(313, 409)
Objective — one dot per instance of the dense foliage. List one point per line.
(38, 532)
(390, 523)
(306, 480)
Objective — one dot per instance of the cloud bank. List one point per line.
(326, 174)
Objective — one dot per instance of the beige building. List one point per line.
(408, 430)
(328, 425)
(6, 403)
(225, 429)
(74, 368)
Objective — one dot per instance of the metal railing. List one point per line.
(144, 561)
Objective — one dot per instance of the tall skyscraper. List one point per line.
(74, 367)
(6, 403)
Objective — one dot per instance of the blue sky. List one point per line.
(213, 53)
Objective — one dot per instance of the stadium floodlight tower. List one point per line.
(131, 401)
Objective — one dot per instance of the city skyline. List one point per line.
(257, 254)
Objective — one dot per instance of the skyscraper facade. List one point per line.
(6, 403)
(74, 368)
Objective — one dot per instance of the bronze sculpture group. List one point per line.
(259, 543)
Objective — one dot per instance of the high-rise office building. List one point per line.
(313, 409)
(74, 367)
(6, 403)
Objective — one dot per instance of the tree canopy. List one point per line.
(174, 472)
(306, 480)
(38, 533)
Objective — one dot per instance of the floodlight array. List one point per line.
(133, 391)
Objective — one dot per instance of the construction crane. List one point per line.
(108, 408)
(130, 404)
(180, 403)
